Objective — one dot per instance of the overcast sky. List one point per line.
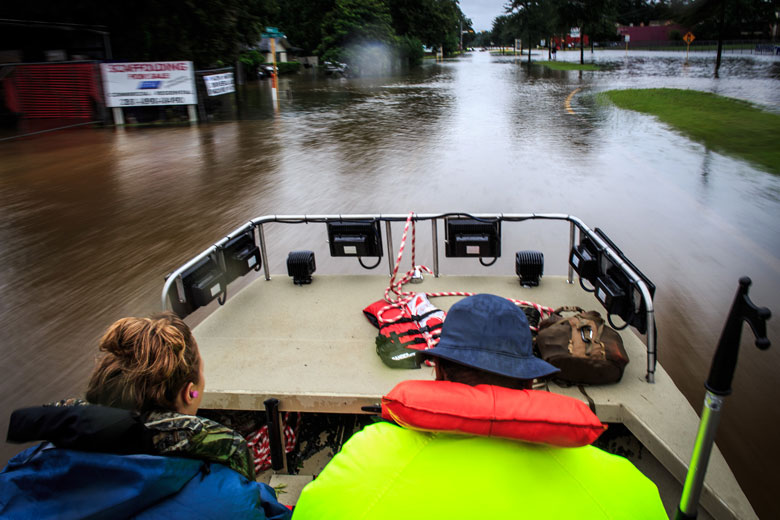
(482, 12)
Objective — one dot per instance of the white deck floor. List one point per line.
(311, 347)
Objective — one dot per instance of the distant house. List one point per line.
(654, 32)
(284, 50)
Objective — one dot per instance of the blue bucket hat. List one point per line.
(490, 333)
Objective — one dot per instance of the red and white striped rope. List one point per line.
(259, 443)
(404, 297)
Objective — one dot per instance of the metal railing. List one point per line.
(257, 226)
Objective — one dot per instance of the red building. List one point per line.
(663, 31)
(570, 41)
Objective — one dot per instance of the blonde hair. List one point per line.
(145, 363)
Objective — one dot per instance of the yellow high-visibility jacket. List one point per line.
(389, 472)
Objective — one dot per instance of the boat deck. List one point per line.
(311, 347)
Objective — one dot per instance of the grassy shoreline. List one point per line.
(730, 126)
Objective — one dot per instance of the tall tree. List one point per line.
(354, 31)
(208, 32)
(533, 20)
(729, 19)
(435, 22)
(301, 21)
(503, 31)
(588, 15)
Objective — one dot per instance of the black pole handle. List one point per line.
(725, 360)
(274, 433)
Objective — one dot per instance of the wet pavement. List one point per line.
(92, 219)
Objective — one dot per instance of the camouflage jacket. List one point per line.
(195, 437)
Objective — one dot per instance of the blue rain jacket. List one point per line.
(50, 482)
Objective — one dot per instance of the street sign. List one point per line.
(574, 32)
(272, 32)
(627, 37)
(689, 37)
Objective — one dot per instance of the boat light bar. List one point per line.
(465, 237)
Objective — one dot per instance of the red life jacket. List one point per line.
(410, 324)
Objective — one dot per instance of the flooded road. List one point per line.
(91, 220)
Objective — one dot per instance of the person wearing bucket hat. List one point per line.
(491, 334)
(478, 442)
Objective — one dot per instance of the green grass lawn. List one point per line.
(726, 125)
(567, 65)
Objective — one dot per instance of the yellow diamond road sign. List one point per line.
(689, 37)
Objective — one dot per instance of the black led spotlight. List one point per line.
(300, 266)
(529, 266)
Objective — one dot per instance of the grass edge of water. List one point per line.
(730, 126)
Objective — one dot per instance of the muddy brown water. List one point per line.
(92, 219)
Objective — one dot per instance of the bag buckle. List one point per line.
(590, 334)
(587, 340)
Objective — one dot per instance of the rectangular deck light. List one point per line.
(356, 238)
(241, 255)
(465, 237)
(630, 306)
(584, 259)
(199, 285)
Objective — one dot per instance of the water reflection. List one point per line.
(90, 220)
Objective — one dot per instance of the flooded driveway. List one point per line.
(92, 219)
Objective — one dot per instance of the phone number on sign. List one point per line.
(152, 101)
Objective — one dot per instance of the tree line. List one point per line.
(535, 20)
(213, 33)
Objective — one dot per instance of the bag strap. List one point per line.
(568, 308)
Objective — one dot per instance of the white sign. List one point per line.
(541, 43)
(218, 84)
(575, 32)
(149, 83)
(627, 37)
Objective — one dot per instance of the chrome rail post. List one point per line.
(390, 259)
(261, 235)
(651, 340)
(435, 238)
(570, 278)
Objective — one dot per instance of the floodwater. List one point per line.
(92, 219)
